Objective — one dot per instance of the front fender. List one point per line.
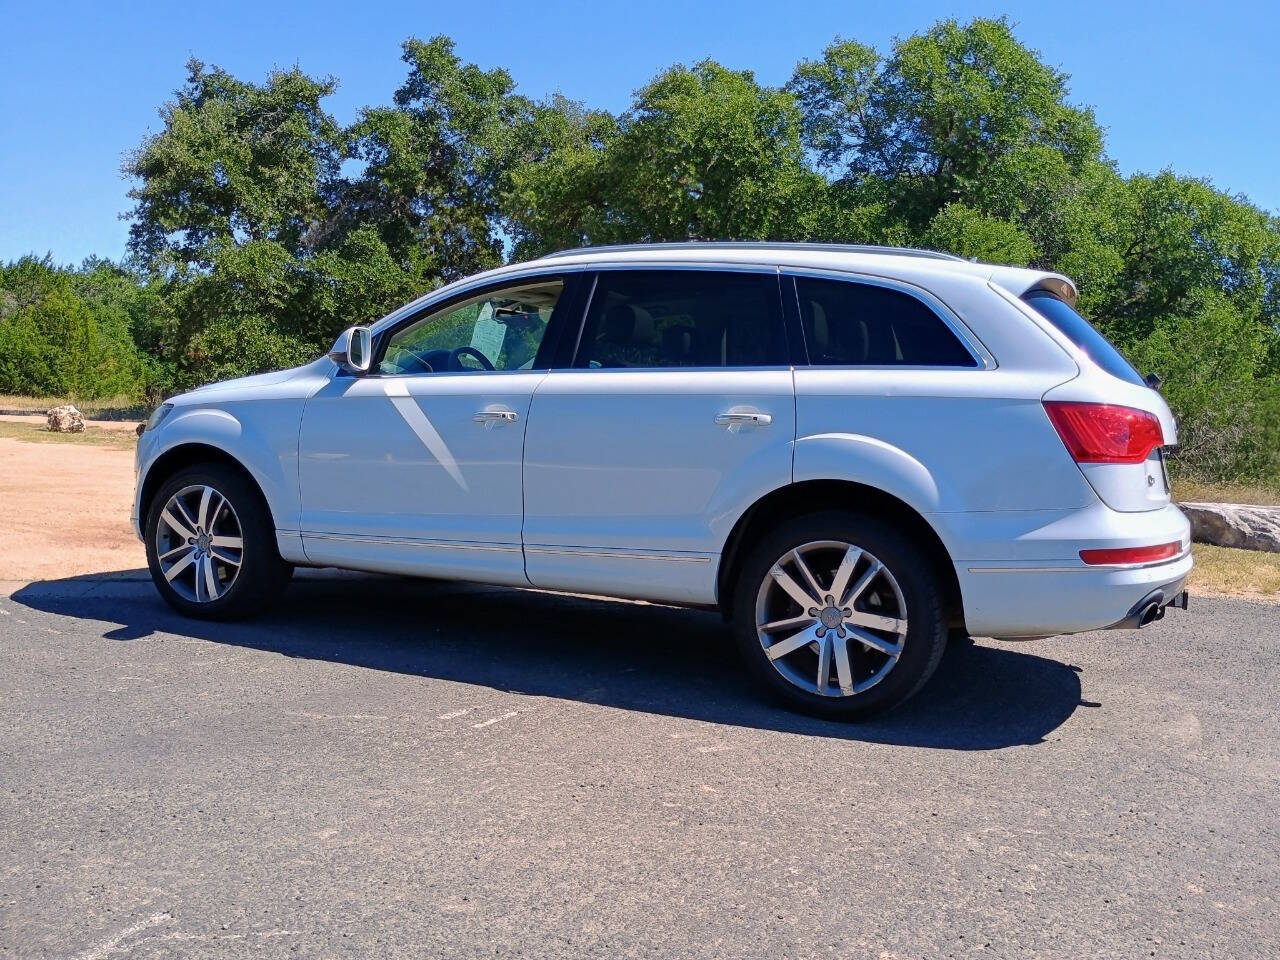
(869, 461)
(266, 445)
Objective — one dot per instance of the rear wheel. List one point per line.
(211, 544)
(840, 615)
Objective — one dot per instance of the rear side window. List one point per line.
(1084, 335)
(683, 318)
(860, 324)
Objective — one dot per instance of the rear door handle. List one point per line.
(744, 419)
(488, 417)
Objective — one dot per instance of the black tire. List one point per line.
(262, 573)
(921, 647)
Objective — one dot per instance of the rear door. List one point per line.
(677, 412)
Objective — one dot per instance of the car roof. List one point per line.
(906, 262)
(921, 267)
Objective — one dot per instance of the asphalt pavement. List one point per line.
(388, 768)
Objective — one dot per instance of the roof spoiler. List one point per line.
(1058, 285)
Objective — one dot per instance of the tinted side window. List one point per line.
(683, 318)
(861, 324)
(1084, 335)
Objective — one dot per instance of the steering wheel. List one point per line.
(426, 364)
(468, 351)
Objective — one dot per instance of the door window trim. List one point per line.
(595, 270)
(982, 357)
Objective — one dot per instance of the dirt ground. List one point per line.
(64, 510)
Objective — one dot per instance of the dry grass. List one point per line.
(1267, 494)
(96, 436)
(1236, 572)
(112, 408)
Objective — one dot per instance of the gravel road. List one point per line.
(383, 768)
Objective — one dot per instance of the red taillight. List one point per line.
(1104, 432)
(1160, 551)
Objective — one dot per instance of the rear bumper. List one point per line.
(1052, 591)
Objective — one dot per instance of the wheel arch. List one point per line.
(814, 496)
(189, 454)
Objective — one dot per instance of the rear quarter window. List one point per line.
(1084, 335)
(848, 323)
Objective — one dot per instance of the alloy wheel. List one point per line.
(831, 618)
(199, 543)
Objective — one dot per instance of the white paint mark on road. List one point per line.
(492, 720)
(110, 945)
(453, 714)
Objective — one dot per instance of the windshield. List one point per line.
(1084, 335)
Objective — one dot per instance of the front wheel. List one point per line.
(839, 615)
(211, 544)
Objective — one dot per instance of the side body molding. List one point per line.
(869, 461)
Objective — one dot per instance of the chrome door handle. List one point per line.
(741, 419)
(496, 416)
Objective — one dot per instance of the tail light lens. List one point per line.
(1104, 432)
(1159, 551)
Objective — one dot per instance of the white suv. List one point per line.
(848, 450)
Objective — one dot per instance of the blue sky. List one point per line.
(1190, 86)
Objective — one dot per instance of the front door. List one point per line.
(678, 413)
(416, 467)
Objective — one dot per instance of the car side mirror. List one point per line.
(353, 350)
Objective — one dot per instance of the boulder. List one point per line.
(65, 419)
(1235, 525)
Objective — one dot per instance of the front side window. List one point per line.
(683, 318)
(500, 330)
(847, 323)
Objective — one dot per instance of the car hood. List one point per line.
(253, 386)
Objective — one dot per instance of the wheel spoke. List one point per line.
(224, 556)
(810, 580)
(202, 514)
(231, 543)
(791, 644)
(186, 513)
(873, 642)
(210, 578)
(803, 620)
(840, 582)
(843, 670)
(170, 554)
(180, 528)
(181, 565)
(874, 621)
(863, 581)
(824, 662)
(793, 589)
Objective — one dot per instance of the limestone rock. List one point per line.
(65, 419)
(1235, 525)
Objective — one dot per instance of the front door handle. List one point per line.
(488, 417)
(743, 419)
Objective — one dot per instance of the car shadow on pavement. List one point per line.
(632, 656)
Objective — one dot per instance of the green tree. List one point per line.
(703, 153)
(431, 163)
(61, 336)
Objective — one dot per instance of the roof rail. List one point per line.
(755, 245)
